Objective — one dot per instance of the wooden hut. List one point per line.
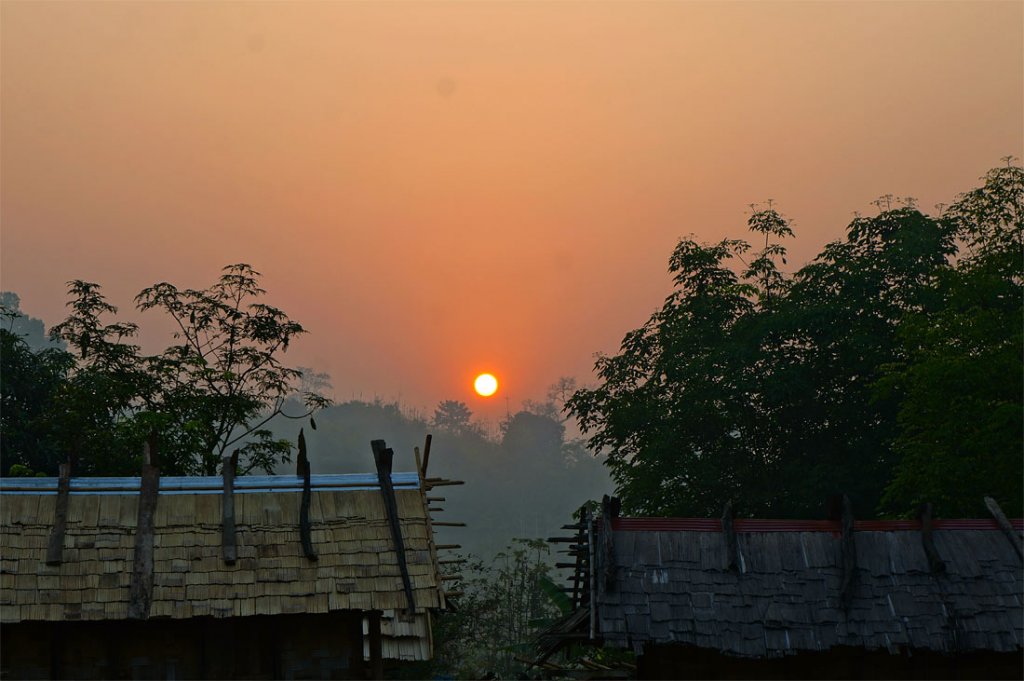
(724, 598)
(325, 576)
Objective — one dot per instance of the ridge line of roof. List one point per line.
(747, 525)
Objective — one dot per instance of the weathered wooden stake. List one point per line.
(227, 471)
(935, 563)
(1005, 526)
(731, 545)
(383, 457)
(426, 455)
(849, 550)
(55, 547)
(376, 645)
(305, 529)
(140, 594)
(610, 507)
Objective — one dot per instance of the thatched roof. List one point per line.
(670, 582)
(357, 566)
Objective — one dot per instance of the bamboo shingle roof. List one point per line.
(669, 582)
(357, 566)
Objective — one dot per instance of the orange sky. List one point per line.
(432, 188)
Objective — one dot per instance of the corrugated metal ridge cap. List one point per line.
(212, 484)
(764, 525)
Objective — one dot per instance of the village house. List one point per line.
(748, 598)
(288, 576)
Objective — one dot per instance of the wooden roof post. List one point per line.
(849, 552)
(376, 644)
(305, 530)
(935, 562)
(609, 511)
(592, 595)
(227, 471)
(1005, 526)
(140, 594)
(383, 457)
(55, 547)
(426, 455)
(731, 545)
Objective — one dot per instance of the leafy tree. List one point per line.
(505, 603)
(213, 391)
(28, 396)
(961, 414)
(225, 381)
(776, 391)
(454, 417)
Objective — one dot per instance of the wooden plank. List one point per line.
(426, 455)
(55, 547)
(935, 563)
(228, 539)
(383, 458)
(849, 553)
(376, 647)
(141, 590)
(731, 547)
(305, 531)
(1005, 526)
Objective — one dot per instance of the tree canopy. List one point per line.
(888, 368)
(212, 392)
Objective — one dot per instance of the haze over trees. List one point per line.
(523, 482)
(888, 368)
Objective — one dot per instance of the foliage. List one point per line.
(777, 391)
(961, 415)
(225, 380)
(504, 604)
(453, 416)
(214, 390)
(28, 397)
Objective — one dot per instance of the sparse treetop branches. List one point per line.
(225, 379)
(763, 269)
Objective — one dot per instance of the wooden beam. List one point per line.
(731, 544)
(376, 645)
(609, 510)
(1005, 526)
(441, 482)
(140, 594)
(935, 562)
(228, 542)
(849, 554)
(305, 530)
(592, 595)
(384, 457)
(426, 455)
(55, 546)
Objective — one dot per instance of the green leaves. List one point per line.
(777, 391)
(214, 389)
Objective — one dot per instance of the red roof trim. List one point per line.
(760, 525)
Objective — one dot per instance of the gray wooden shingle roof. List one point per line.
(673, 586)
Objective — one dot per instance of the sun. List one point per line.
(485, 385)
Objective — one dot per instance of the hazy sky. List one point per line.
(436, 188)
